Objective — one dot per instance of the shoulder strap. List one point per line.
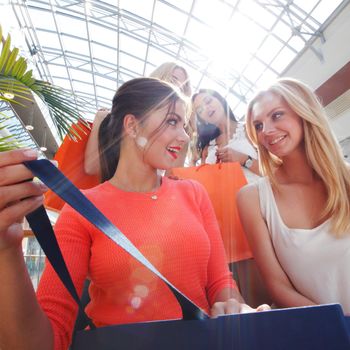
(57, 182)
(43, 231)
(262, 186)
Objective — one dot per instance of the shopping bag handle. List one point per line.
(43, 231)
(57, 182)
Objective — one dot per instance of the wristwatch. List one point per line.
(248, 163)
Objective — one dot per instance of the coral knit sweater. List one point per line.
(177, 232)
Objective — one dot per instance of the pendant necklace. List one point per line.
(148, 194)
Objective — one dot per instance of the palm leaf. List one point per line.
(11, 61)
(7, 143)
(19, 67)
(62, 105)
(5, 52)
(17, 88)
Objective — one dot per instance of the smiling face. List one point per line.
(279, 129)
(209, 109)
(163, 136)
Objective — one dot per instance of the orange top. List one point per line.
(222, 182)
(177, 232)
(70, 157)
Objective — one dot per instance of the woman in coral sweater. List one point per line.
(170, 72)
(171, 222)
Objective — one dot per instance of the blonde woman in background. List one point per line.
(170, 72)
(297, 217)
(175, 74)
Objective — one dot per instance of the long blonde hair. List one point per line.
(165, 72)
(321, 147)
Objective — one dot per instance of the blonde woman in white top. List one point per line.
(297, 218)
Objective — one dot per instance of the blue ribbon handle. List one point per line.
(57, 182)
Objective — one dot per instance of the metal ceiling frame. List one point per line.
(153, 36)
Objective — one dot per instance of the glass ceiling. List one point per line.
(92, 47)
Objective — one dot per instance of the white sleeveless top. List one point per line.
(239, 143)
(316, 262)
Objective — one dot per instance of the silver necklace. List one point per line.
(148, 194)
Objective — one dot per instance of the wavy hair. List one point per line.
(321, 147)
(165, 72)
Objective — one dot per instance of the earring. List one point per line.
(141, 141)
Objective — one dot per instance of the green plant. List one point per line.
(16, 81)
(7, 143)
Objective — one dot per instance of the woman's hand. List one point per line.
(19, 195)
(92, 157)
(233, 306)
(227, 154)
(230, 301)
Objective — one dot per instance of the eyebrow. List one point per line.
(270, 112)
(175, 114)
(274, 109)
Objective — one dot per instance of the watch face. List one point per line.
(248, 163)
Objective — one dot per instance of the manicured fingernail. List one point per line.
(37, 181)
(43, 187)
(31, 153)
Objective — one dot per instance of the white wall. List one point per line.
(336, 52)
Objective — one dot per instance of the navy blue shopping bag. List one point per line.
(309, 328)
(318, 327)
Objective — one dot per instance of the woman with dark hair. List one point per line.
(170, 72)
(220, 136)
(165, 219)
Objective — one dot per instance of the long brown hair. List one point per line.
(138, 97)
